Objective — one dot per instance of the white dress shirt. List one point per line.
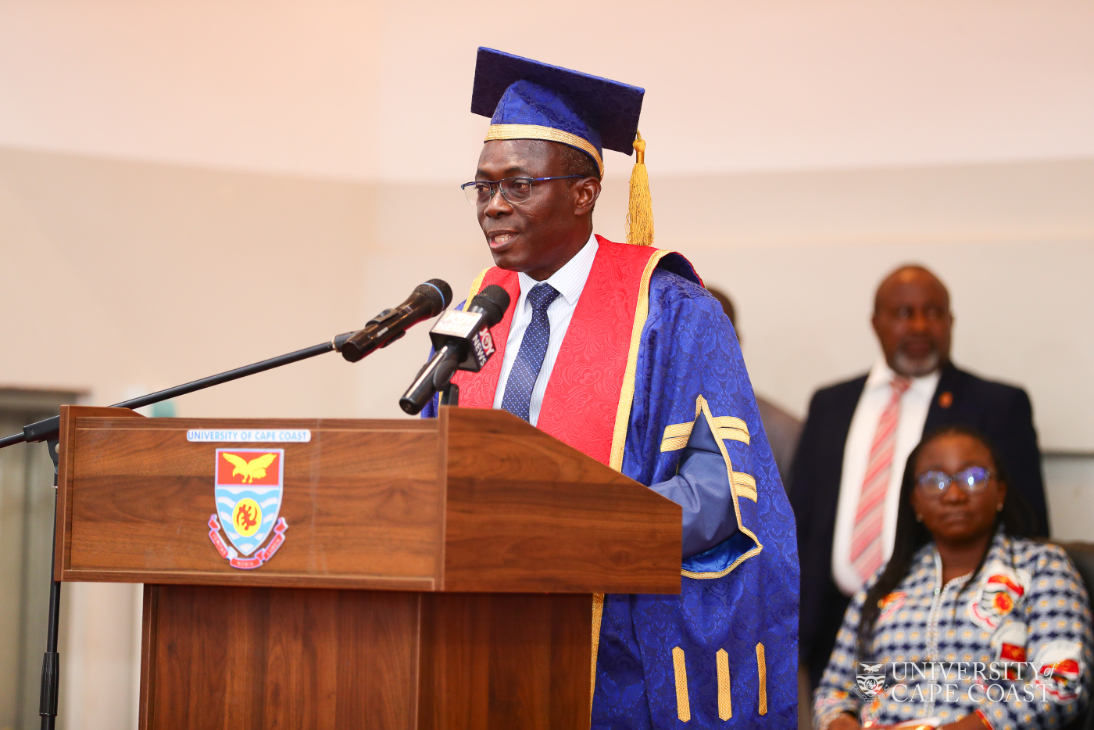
(569, 281)
(914, 405)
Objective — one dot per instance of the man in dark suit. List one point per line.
(858, 434)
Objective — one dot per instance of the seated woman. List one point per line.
(969, 625)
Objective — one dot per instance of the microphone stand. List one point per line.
(48, 430)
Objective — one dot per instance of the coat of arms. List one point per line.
(870, 680)
(248, 492)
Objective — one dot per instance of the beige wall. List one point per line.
(187, 187)
(374, 90)
(170, 273)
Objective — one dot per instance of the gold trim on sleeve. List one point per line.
(702, 407)
(674, 444)
(761, 668)
(677, 435)
(683, 706)
(734, 423)
(722, 573)
(536, 131)
(727, 428)
(745, 485)
(676, 431)
(725, 698)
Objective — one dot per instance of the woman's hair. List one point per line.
(911, 534)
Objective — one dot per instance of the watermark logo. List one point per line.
(870, 680)
(1055, 676)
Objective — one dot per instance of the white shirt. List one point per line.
(569, 281)
(914, 405)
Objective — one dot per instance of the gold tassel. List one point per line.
(640, 207)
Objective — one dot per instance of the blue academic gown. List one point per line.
(736, 597)
(724, 652)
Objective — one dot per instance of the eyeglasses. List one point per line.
(973, 480)
(513, 189)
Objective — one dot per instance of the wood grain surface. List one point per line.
(361, 499)
(476, 500)
(526, 512)
(65, 459)
(505, 661)
(473, 541)
(222, 657)
(225, 657)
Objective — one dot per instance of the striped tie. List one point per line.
(533, 348)
(866, 548)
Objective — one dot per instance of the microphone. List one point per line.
(461, 341)
(427, 300)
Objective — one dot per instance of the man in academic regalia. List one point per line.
(619, 351)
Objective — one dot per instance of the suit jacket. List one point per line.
(1002, 412)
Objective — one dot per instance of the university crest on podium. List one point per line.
(248, 491)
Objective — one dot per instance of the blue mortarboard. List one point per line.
(526, 99)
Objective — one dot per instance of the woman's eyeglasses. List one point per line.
(933, 484)
(513, 189)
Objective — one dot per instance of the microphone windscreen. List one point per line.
(493, 301)
(439, 294)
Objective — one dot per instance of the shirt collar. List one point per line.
(570, 279)
(881, 375)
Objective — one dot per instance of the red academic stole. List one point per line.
(581, 403)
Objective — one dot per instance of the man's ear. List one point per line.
(874, 325)
(586, 191)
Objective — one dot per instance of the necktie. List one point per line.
(866, 548)
(525, 371)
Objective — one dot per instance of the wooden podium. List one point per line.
(427, 574)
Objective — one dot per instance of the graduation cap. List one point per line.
(527, 99)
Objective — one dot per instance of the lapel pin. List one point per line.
(946, 399)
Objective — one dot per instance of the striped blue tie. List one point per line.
(525, 371)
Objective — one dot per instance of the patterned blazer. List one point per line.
(1012, 643)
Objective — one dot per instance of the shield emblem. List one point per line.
(248, 494)
(870, 680)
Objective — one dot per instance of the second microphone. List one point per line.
(461, 341)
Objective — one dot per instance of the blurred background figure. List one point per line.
(961, 558)
(783, 428)
(858, 434)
